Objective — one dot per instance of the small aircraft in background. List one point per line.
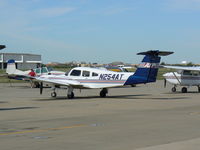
(12, 70)
(185, 76)
(14, 73)
(93, 78)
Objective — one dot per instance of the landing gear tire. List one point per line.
(53, 94)
(173, 89)
(103, 92)
(133, 85)
(198, 89)
(36, 84)
(70, 96)
(184, 90)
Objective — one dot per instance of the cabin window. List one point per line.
(44, 70)
(94, 74)
(37, 70)
(187, 72)
(75, 73)
(195, 73)
(86, 74)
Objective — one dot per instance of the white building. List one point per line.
(23, 61)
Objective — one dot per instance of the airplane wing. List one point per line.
(183, 68)
(59, 81)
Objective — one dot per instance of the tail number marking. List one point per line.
(111, 76)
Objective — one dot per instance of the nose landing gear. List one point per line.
(70, 93)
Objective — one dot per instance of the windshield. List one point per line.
(67, 72)
(50, 69)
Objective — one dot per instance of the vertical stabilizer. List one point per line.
(147, 71)
(11, 67)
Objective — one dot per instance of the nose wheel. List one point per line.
(53, 94)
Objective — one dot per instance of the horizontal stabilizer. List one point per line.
(2, 47)
(155, 53)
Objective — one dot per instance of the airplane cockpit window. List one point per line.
(75, 73)
(94, 74)
(67, 73)
(44, 70)
(86, 74)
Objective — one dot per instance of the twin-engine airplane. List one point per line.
(93, 78)
(185, 76)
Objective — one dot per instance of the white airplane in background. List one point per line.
(93, 78)
(185, 76)
(17, 74)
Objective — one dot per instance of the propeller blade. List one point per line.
(165, 83)
(41, 88)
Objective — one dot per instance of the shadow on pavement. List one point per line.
(17, 108)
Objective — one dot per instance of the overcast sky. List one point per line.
(101, 30)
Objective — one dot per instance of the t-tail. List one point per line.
(147, 71)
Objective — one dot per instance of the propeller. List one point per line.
(165, 83)
(41, 88)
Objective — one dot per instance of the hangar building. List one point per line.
(23, 61)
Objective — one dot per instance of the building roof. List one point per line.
(20, 54)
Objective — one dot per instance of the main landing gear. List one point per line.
(184, 89)
(103, 92)
(198, 88)
(53, 93)
(70, 93)
(174, 89)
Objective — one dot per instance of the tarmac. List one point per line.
(146, 117)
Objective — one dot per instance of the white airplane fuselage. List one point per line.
(181, 79)
(92, 77)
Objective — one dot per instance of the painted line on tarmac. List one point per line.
(42, 130)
